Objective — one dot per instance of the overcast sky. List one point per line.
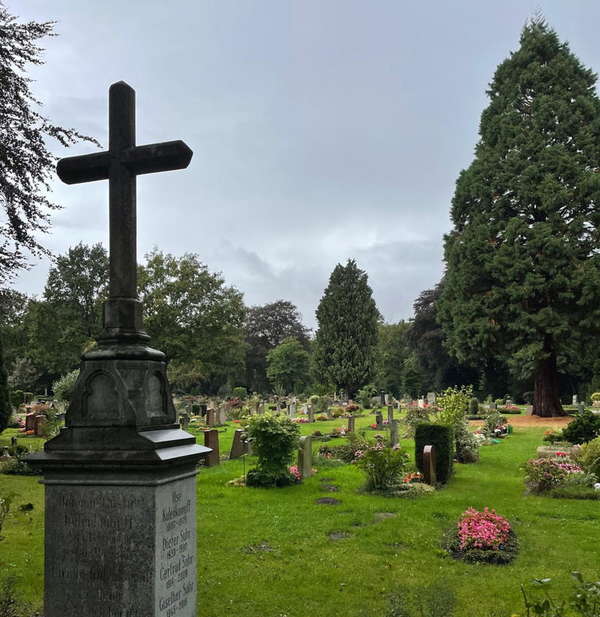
(322, 130)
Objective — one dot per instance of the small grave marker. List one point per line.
(211, 440)
(239, 447)
(305, 456)
(429, 462)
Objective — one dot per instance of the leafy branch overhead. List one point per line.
(26, 164)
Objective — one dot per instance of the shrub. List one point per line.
(413, 489)
(493, 420)
(453, 404)
(552, 436)
(415, 415)
(544, 474)
(352, 407)
(28, 397)
(466, 444)
(595, 397)
(473, 406)
(588, 456)
(16, 466)
(274, 439)
(440, 436)
(383, 466)
(575, 491)
(482, 537)
(239, 392)
(337, 412)
(365, 394)
(17, 398)
(583, 428)
(63, 388)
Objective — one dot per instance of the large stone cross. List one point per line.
(120, 165)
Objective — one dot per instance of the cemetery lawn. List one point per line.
(268, 552)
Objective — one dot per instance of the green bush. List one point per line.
(588, 456)
(365, 394)
(575, 491)
(585, 427)
(63, 388)
(453, 404)
(466, 444)
(383, 467)
(239, 392)
(493, 420)
(440, 436)
(473, 406)
(595, 397)
(274, 440)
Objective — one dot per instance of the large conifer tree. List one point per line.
(347, 336)
(522, 265)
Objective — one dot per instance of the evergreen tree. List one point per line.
(5, 407)
(346, 339)
(523, 273)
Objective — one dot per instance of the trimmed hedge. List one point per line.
(440, 436)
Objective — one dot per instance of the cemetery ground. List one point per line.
(277, 553)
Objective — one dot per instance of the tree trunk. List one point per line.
(546, 395)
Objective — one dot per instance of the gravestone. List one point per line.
(184, 421)
(30, 421)
(211, 419)
(351, 424)
(394, 433)
(574, 400)
(211, 441)
(421, 403)
(305, 456)
(311, 414)
(38, 425)
(580, 407)
(292, 409)
(390, 414)
(239, 447)
(120, 478)
(221, 415)
(386, 399)
(431, 398)
(429, 462)
(381, 398)
(378, 420)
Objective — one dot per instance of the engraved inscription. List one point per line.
(155, 397)
(176, 550)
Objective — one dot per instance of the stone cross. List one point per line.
(120, 165)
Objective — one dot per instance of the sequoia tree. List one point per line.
(346, 340)
(523, 273)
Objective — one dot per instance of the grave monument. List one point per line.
(120, 489)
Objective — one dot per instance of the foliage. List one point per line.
(453, 404)
(69, 317)
(265, 327)
(466, 444)
(482, 537)
(5, 505)
(17, 398)
(63, 387)
(522, 279)
(5, 402)
(239, 392)
(416, 415)
(442, 438)
(588, 456)
(595, 397)
(493, 420)
(473, 406)
(288, 366)
(27, 163)
(273, 439)
(346, 339)
(585, 427)
(348, 452)
(584, 600)
(194, 318)
(392, 352)
(365, 394)
(382, 466)
(544, 474)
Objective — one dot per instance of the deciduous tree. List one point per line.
(288, 366)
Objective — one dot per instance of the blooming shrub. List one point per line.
(485, 530)
(482, 536)
(544, 474)
(414, 476)
(295, 473)
(352, 407)
(300, 420)
(383, 466)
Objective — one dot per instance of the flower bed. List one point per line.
(482, 537)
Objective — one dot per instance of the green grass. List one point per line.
(305, 573)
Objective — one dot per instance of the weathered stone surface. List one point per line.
(121, 544)
(429, 462)
(351, 424)
(305, 456)
(211, 440)
(239, 447)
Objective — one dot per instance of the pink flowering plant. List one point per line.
(544, 474)
(482, 536)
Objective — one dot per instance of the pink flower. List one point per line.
(482, 530)
(293, 469)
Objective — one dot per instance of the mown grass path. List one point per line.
(268, 553)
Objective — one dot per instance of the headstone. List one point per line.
(239, 447)
(305, 456)
(379, 420)
(421, 403)
(211, 441)
(574, 401)
(381, 398)
(528, 409)
(390, 414)
(394, 433)
(30, 421)
(431, 398)
(221, 416)
(184, 421)
(38, 425)
(311, 414)
(292, 409)
(386, 399)
(429, 473)
(120, 478)
(580, 407)
(211, 419)
(351, 424)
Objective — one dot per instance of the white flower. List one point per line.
(597, 486)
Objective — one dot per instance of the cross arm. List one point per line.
(164, 156)
(86, 168)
